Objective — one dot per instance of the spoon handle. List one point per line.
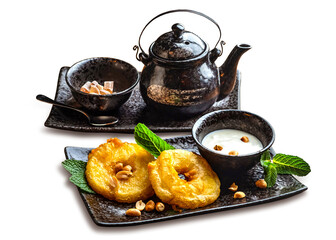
(45, 99)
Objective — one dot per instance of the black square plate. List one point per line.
(110, 213)
(129, 115)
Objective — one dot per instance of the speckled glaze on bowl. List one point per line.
(232, 119)
(101, 69)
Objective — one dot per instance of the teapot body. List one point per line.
(180, 77)
(181, 91)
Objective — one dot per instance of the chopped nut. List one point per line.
(114, 182)
(218, 148)
(118, 167)
(261, 183)
(176, 208)
(127, 168)
(233, 153)
(159, 206)
(245, 139)
(233, 187)
(150, 206)
(190, 175)
(239, 195)
(140, 205)
(123, 175)
(133, 212)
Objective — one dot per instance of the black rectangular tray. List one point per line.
(130, 114)
(110, 213)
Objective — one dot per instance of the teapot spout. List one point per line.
(228, 70)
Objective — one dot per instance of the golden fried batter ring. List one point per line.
(101, 171)
(200, 188)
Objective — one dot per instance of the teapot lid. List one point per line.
(178, 45)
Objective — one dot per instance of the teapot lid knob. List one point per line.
(178, 29)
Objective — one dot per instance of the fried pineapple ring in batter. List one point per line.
(200, 188)
(105, 177)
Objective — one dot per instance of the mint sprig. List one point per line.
(77, 170)
(282, 164)
(149, 140)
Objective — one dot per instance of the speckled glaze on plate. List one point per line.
(131, 113)
(112, 214)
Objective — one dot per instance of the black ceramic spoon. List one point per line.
(93, 120)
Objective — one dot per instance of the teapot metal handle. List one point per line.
(137, 47)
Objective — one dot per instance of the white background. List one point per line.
(288, 78)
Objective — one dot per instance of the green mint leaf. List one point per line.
(288, 164)
(265, 157)
(77, 170)
(149, 140)
(74, 166)
(269, 169)
(270, 173)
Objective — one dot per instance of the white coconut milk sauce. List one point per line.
(230, 140)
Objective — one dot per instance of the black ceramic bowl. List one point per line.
(101, 69)
(232, 119)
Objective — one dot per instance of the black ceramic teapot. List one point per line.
(180, 77)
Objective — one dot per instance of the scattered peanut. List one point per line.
(261, 183)
(150, 206)
(239, 195)
(233, 187)
(176, 208)
(123, 175)
(133, 212)
(218, 148)
(159, 206)
(245, 139)
(118, 167)
(233, 153)
(140, 205)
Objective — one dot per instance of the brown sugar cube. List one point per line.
(104, 92)
(100, 87)
(94, 89)
(108, 86)
(95, 82)
(86, 87)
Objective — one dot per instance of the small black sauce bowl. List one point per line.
(101, 69)
(226, 165)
